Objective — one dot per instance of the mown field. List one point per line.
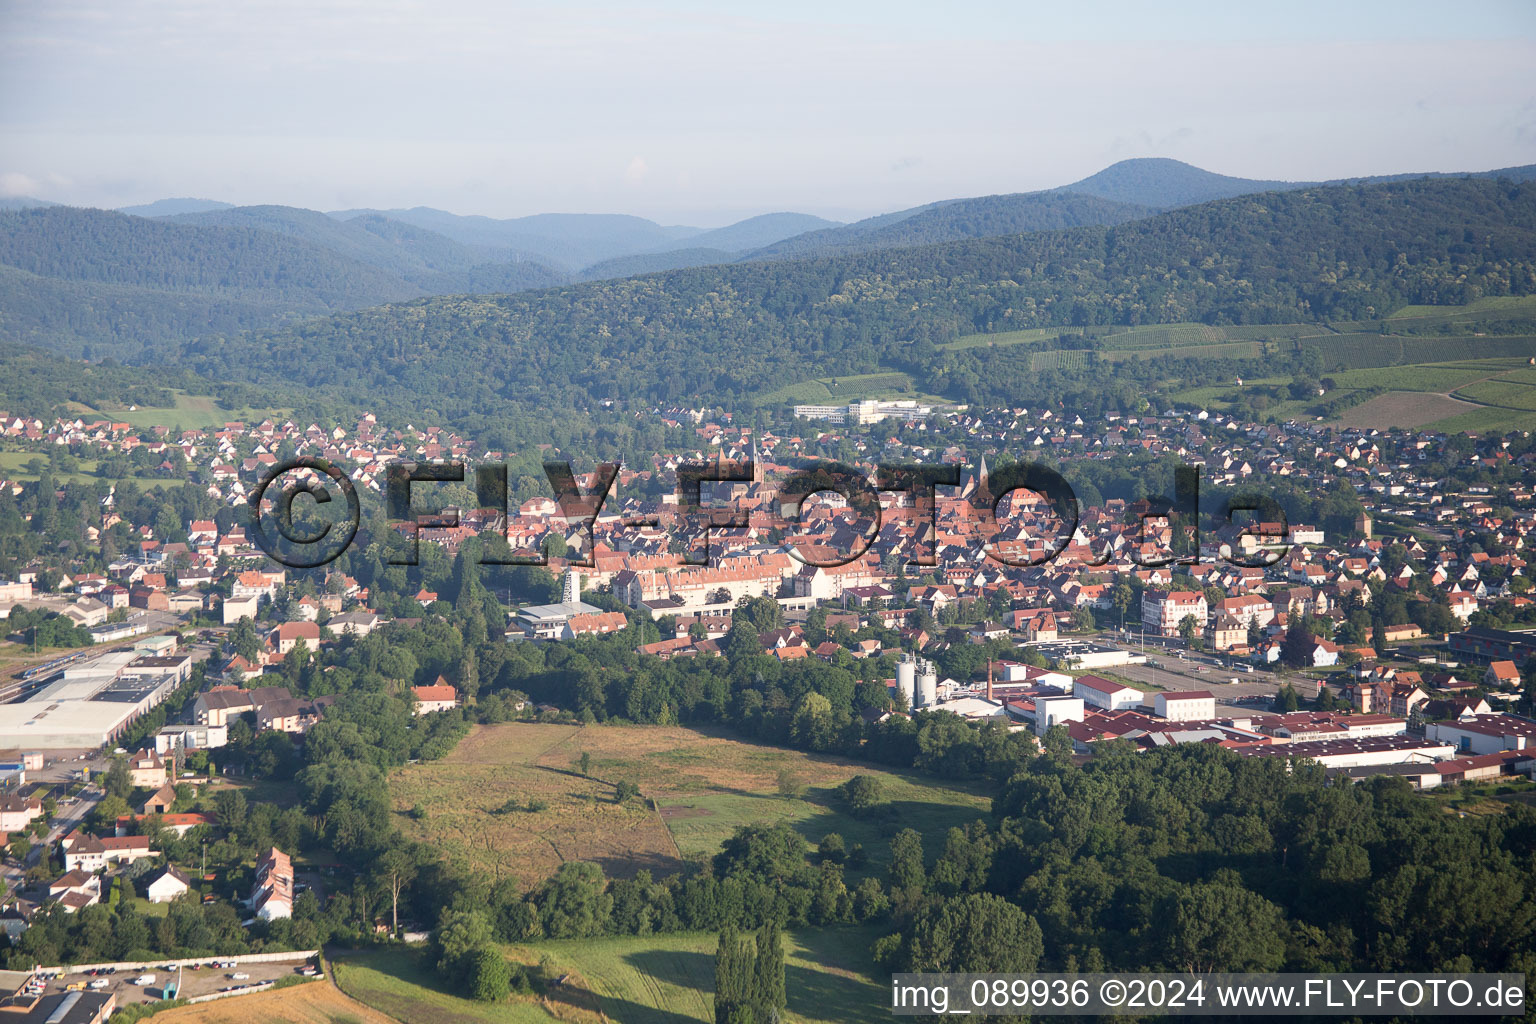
(892, 384)
(629, 980)
(316, 1002)
(705, 785)
(191, 412)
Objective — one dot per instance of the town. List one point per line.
(1377, 644)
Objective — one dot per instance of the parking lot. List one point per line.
(204, 980)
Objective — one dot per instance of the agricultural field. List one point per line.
(704, 785)
(318, 1002)
(1029, 336)
(1503, 305)
(1221, 350)
(629, 980)
(1407, 409)
(1475, 395)
(1500, 392)
(1057, 359)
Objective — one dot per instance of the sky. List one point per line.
(706, 112)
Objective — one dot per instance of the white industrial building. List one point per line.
(1185, 706)
(1051, 711)
(90, 705)
(1106, 694)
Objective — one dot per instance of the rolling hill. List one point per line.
(954, 220)
(172, 207)
(734, 332)
(1161, 183)
(74, 279)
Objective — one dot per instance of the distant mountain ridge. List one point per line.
(73, 279)
(1161, 183)
(172, 207)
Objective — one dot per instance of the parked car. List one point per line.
(239, 976)
(144, 979)
(75, 986)
(99, 984)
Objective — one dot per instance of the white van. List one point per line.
(144, 979)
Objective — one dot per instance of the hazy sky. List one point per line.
(706, 112)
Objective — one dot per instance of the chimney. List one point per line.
(989, 679)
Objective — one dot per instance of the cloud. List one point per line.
(634, 174)
(906, 163)
(17, 184)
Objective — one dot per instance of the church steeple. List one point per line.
(757, 462)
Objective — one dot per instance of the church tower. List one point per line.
(757, 462)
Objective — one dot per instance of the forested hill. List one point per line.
(728, 333)
(1163, 183)
(954, 220)
(73, 279)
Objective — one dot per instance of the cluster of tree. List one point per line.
(749, 977)
(44, 628)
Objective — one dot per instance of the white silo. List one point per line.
(927, 687)
(906, 679)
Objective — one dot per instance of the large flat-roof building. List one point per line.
(91, 703)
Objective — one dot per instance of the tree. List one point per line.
(1286, 700)
(1297, 647)
(243, 638)
(395, 869)
(585, 762)
(863, 793)
(768, 993)
(907, 871)
(1187, 627)
(1223, 927)
(733, 978)
(118, 781)
(488, 976)
(976, 932)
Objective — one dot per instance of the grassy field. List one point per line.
(1408, 409)
(401, 986)
(887, 385)
(191, 412)
(13, 466)
(1474, 395)
(1500, 392)
(459, 806)
(318, 1002)
(628, 980)
(705, 786)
